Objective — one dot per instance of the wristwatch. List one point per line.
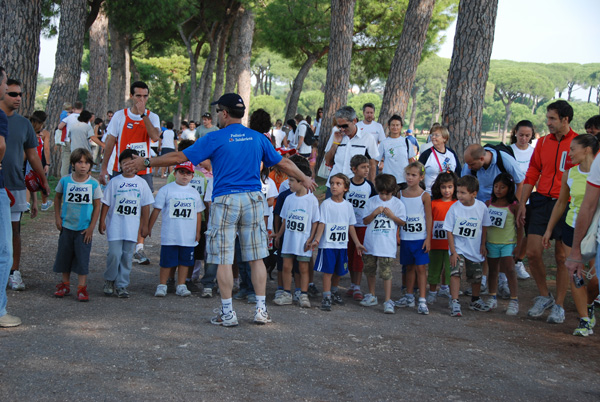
(147, 162)
(143, 114)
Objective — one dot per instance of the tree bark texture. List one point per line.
(294, 97)
(20, 27)
(97, 100)
(118, 89)
(177, 117)
(220, 69)
(187, 40)
(67, 73)
(468, 73)
(406, 59)
(245, 53)
(207, 73)
(338, 67)
(231, 75)
(413, 112)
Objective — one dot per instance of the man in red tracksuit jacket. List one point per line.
(550, 159)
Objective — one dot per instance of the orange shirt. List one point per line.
(134, 135)
(439, 209)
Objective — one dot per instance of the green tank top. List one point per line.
(502, 230)
(576, 182)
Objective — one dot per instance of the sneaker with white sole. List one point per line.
(455, 310)
(444, 293)
(15, 281)
(584, 328)
(109, 288)
(557, 315)
(8, 321)
(423, 309)
(46, 205)
(597, 301)
(206, 293)
(405, 301)
(304, 302)
(326, 304)
(522, 273)
(283, 299)
(313, 291)
(592, 315)
(225, 320)
(541, 304)
(369, 300)
(122, 293)
(182, 291)
(171, 285)
(491, 304)
(336, 298)
(296, 296)
(161, 291)
(513, 307)
(261, 316)
(503, 290)
(431, 297)
(278, 293)
(477, 305)
(389, 307)
(140, 258)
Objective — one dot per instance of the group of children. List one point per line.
(357, 229)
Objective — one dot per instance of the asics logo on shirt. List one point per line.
(183, 204)
(75, 187)
(337, 227)
(127, 201)
(468, 224)
(128, 185)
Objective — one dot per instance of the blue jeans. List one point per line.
(244, 269)
(118, 262)
(6, 249)
(210, 274)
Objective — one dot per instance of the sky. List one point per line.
(542, 31)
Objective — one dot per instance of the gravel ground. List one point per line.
(146, 348)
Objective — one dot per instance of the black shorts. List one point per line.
(567, 235)
(539, 211)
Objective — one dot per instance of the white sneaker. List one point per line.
(161, 291)
(283, 299)
(262, 317)
(444, 293)
(296, 296)
(182, 291)
(389, 307)
(207, 292)
(521, 271)
(304, 302)
(278, 293)
(557, 315)
(503, 290)
(423, 309)
(513, 307)
(369, 300)
(15, 282)
(431, 297)
(226, 320)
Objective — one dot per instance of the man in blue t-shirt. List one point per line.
(235, 153)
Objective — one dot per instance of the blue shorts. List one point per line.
(412, 253)
(332, 261)
(172, 256)
(499, 250)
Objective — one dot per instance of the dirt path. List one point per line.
(146, 348)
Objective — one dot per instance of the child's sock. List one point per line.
(474, 298)
(296, 290)
(444, 287)
(139, 246)
(334, 289)
(287, 291)
(311, 284)
(226, 306)
(260, 302)
(353, 286)
(433, 292)
(326, 294)
(279, 287)
(422, 300)
(483, 281)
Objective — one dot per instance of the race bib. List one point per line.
(415, 224)
(498, 216)
(336, 233)
(79, 193)
(141, 147)
(438, 231)
(126, 206)
(198, 184)
(466, 227)
(297, 221)
(181, 209)
(357, 199)
(381, 225)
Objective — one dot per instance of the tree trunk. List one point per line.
(468, 73)
(118, 89)
(590, 93)
(194, 94)
(20, 46)
(220, 69)
(406, 59)
(413, 112)
(177, 117)
(298, 83)
(439, 108)
(338, 67)
(207, 74)
(506, 119)
(97, 98)
(245, 53)
(67, 73)
(231, 76)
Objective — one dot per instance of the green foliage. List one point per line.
(309, 102)
(275, 107)
(41, 92)
(357, 102)
(582, 111)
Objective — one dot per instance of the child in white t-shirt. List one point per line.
(126, 205)
(383, 214)
(300, 215)
(465, 224)
(336, 223)
(181, 208)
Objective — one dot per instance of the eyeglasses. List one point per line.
(14, 94)
(435, 135)
(344, 126)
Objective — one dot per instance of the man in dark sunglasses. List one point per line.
(21, 141)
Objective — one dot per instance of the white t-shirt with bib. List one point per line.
(380, 236)
(179, 207)
(466, 225)
(395, 155)
(357, 196)
(337, 217)
(299, 214)
(416, 225)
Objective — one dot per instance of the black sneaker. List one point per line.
(313, 291)
(171, 285)
(191, 286)
(122, 293)
(337, 299)
(326, 304)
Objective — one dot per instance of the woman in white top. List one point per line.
(439, 158)
(520, 139)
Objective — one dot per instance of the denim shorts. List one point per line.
(241, 214)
